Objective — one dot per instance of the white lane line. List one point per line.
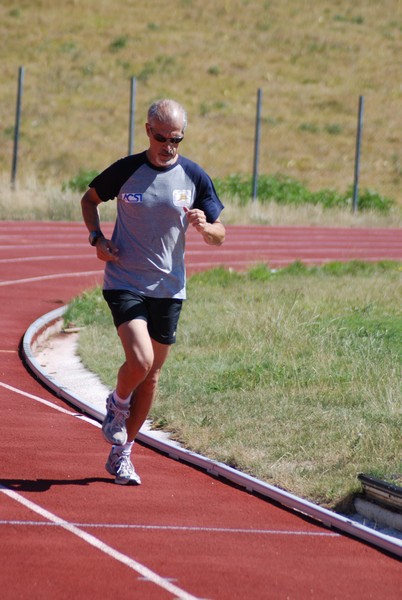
(38, 399)
(48, 277)
(40, 245)
(50, 404)
(233, 530)
(99, 545)
(43, 257)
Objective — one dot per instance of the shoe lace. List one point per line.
(120, 415)
(124, 466)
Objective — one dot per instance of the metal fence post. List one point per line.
(256, 146)
(357, 157)
(17, 126)
(133, 88)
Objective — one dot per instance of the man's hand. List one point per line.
(106, 250)
(196, 218)
(213, 233)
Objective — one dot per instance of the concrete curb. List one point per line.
(49, 324)
(380, 516)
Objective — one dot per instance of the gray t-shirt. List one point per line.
(151, 224)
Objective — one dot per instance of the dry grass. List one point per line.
(306, 215)
(311, 60)
(33, 200)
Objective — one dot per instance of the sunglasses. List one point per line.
(160, 138)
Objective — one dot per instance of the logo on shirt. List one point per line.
(182, 197)
(131, 198)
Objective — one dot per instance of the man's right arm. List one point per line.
(105, 249)
(90, 212)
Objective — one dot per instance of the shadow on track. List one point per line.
(43, 485)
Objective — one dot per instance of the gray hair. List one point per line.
(166, 110)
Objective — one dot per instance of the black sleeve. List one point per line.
(206, 198)
(108, 183)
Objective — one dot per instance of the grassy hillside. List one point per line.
(311, 60)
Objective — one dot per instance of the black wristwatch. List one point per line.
(94, 237)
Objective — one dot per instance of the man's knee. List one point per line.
(137, 346)
(140, 362)
(150, 382)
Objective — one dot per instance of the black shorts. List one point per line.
(161, 314)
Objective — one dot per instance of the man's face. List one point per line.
(164, 139)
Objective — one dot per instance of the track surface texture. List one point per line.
(67, 531)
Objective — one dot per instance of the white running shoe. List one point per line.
(120, 465)
(114, 424)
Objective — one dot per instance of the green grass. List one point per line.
(312, 61)
(289, 192)
(291, 376)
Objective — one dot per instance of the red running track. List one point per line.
(67, 531)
